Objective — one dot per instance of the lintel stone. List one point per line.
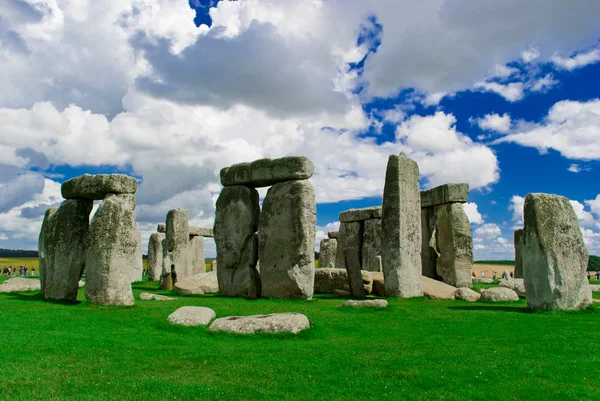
(201, 232)
(367, 213)
(266, 172)
(96, 187)
(447, 193)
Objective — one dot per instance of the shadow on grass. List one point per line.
(494, 308)
(39, 298)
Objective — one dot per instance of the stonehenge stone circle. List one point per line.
(236, 222)
(352, 257)
(112, 244)
(350, 236)
(266, 172)
(178, 246)
(327, 252)
(96, 187)
(401, 228)
(371, 245)
(518, 253)
(287, 240)
(360, 229)
(367, 213)
(554, 255)
(155, 256)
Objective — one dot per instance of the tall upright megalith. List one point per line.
(401, 228)
(554, 255)
(155, 256)
(518, 243)
(177, 241)
(371, 245)
(236, 222)
(46, 236)
(327, 251)
(287, 240)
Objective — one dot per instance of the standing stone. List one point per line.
(138, 267)
(350, 235)
(428, 244)
(111, 251)
(287, 241)
(165, 276)
(555, 255)
(46, 236)
(236, 221)
(197, 263)
(519, 253)
(455, 245)
(352, 256)
(213, 266)
(328, 250)
(178, 247)
(371, 245)
(401, 228)
(155, 256)
(63, 249)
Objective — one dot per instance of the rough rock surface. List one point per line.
(20, 284)
(327, 281)
(366, 213)
(352, 257)
(595, 288)
(349, 236)
(378, 284)
(197, 263)
(447, 193)
(341, 293)
(371, 245)
(287, 240)
(328, 250)
(192, 316)
(499, 294)
(155, 256)
(161, 228)
(434, 289)
(273, 323)
(467, 294)
(483, 280)
(367, 303)
(454, 245)
(62, 249)
(515, 284)
(266, 172)
(201, 232)
(555, 258)
(112, 243)
(518, 253)
(401, 228)
(333, 234)
(138, 257)
(428, 244)
(199, 284)
(146, 296)
(178, 248)
(236, 222)
(96, 187)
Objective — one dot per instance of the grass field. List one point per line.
(415, 350)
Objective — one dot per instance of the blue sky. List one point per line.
(502, 96)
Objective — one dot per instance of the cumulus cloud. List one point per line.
(494, 122)
(512, 91)
(473, 214)
(516, 206)
(577, 61)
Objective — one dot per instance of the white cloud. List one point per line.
(321, 233)
(503, 71)
(487, 231)
(594, 205)
(585, 218)
(574, 168)
(577, 61)
(473, 214)
(512, 92)
(530, 55)
(516, 205)
(543, 84)
(494, 122)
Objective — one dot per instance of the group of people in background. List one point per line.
(21, 271)
(596, 275)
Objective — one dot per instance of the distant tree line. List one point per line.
(594, 263)
(17, 253)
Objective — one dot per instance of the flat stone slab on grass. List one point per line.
(20, 284)
(266, 172)
(367, 303)
(273, 323)
(192, 316)
(499, 294)
(146, 296)
(467, 294)
(96, 187)
(483, 280)
(367, 213)
(515, 284)
(198, 284)
(434, 289)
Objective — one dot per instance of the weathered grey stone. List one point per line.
(332, 234)
(236, 222)
(287, 240)
(178, 248)
(213, 266)
(197, 264)
(96, 187)
(266, 172)
(352, 256)
(554, 255)
(62, 246)
(204, 283)
(201, 232)
(378, 284)
(483, 280)
(518, 253)
(192, 316)
(146, 296)
(360, 214)
(155, 256)
(595, 288)
(350, 236)
(46, 235)
(328, 280)
(138, 268)
(112, 243)
(454, 245)
(515, 284)
(273, 323)
(428, 244)
(371, 245)
(328, 250)
(467, 294)
(401, 228)
(341, 293)
(368, 303)
(434, 289)
(162, 228)
(499, 294)
(165, 275)
(17, 284)
(447, 193)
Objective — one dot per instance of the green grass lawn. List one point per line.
(415, 350)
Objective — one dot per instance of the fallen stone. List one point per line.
(16, 284)
(341, 293)
(499, 294)
(360, 214)
(201, 232)
(273, 323)
(146, 296)
(236, 221)
(96, 187)
(515, 284)
(199, 284)
(350, 237)
(447, 193)
(595, 288)
(368, 303)
(287, 240)
(518, 243)
(155, 256)
(327, 280)
(482, 280)
(378, 284)
(371, 246)
(434, 289)
(467, 294)
(401, 228)
(327, 252)
(333, 234)
(267, 172)
(192, 316)
(555, 258)
(162, 228)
